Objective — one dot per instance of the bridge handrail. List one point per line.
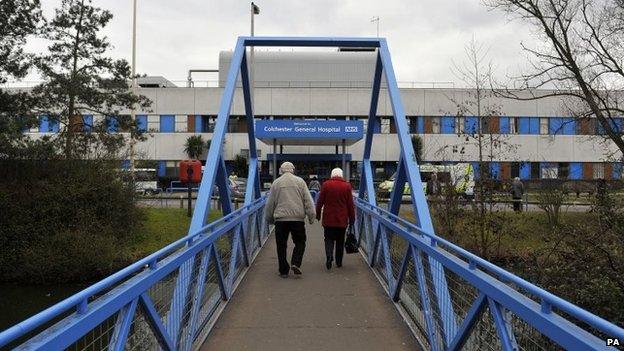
(545, 296)
(82, 296)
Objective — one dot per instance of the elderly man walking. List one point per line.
(288, 205)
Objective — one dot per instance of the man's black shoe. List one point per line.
(283, 275)
(296, 270)
(328, 264)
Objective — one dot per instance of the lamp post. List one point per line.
(376, 19)
(132, 111)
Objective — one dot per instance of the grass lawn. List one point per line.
(162, 227)
(521, 233)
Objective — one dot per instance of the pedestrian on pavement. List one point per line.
(315, 184)
(233, 177)
(288, 205)
(336, 203)
(517, 190)
(433, 186)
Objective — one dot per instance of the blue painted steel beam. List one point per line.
(419, 271)
(396, 196)
(253, 182)
(473, 315)
(202, 208)
(157, 326)
(122, 327)
(421, 207)
(501, 325)
(395, 292)
(197, 299)
(221, 278)
(307, 42)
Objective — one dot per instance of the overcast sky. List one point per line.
(424, 36)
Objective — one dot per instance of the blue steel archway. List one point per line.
(407, 168)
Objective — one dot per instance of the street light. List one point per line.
(376, 19)
(132, 111)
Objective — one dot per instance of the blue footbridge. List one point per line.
(217, 287)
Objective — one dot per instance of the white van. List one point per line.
(461, 175)
(146, 181)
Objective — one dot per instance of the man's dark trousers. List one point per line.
(297, 229)
(335, 235)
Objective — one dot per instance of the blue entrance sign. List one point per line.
(328, 130)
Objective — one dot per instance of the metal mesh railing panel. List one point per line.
(141, 337)
(97, 338)
(187, 308)
(161, 294)
(397, 246)
(410, 300)
(224, 250)
(434, 276)
(530, 339)
(483, 336)
(380, 259)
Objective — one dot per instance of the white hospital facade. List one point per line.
(536, 139)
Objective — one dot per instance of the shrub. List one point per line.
(64, 220)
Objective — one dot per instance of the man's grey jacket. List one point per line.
(289, 200)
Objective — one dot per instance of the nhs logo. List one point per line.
(351, 129)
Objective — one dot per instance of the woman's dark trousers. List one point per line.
(334, 237)
(297, 229)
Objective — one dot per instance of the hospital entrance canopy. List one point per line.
(313, 132)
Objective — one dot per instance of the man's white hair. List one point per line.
(336, 172)
(287, 167)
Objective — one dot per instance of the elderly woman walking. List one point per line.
(336, 203)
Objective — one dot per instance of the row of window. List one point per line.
(417, 125)
(500, 170)
(552, 170)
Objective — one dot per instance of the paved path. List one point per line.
(341, 309)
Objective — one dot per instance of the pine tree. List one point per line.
(18, 20)
(80, 79)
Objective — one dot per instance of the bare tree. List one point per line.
(581, 57)
(478, 104)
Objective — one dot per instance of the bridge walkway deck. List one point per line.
(342, 309)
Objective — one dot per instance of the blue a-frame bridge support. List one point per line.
(407, 170)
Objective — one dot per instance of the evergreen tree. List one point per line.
(18, 20)
(80, 79)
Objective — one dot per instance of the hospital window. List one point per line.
(171, 169)
(514, 170)
(550, 171)
(543, 126)
(535, 170)
(460, 122)
(385, 125)
(245, 153)
(237, 124)
(585, 126)
(513, 125)
(564, 170)
(435, 125)
(599, 171)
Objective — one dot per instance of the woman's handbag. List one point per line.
(351, 244)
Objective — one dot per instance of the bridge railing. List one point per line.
(134, 308)
(493, 309)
